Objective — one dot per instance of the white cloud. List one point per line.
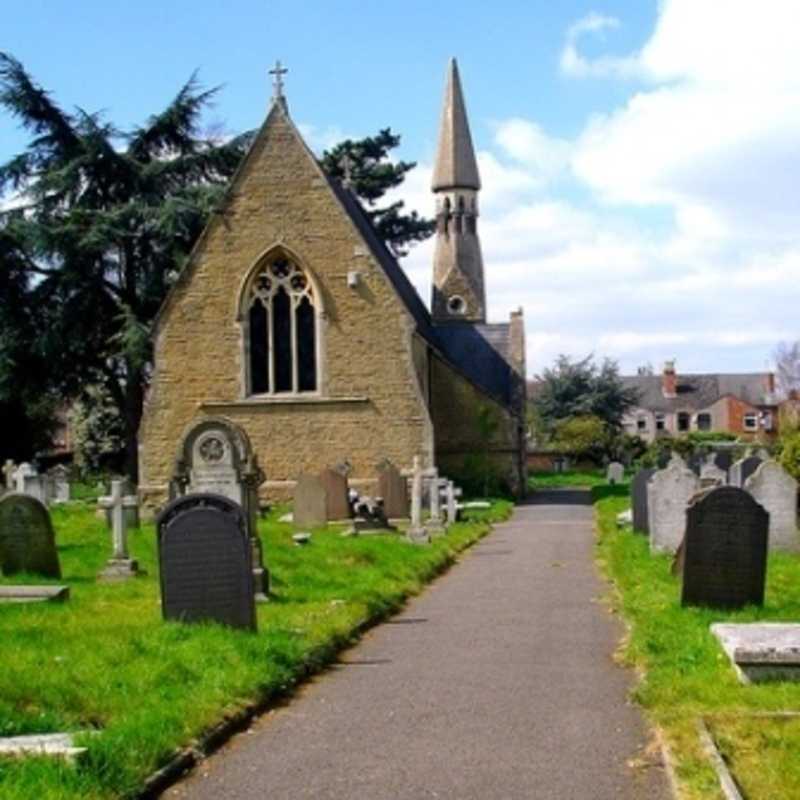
(319, 139)
(576, 65)
(669, 226)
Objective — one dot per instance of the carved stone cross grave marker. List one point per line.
(416, 532)
(434, 525)
(120, 566)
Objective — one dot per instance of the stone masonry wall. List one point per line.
(370, 403)
(454, 409)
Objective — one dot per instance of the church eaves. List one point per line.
(456, 166)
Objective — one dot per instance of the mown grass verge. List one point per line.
(686, 675)
(106, 661)
(569, 478)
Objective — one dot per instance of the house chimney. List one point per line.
(669, 380)
(769, 383)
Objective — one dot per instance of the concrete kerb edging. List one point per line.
(726, 780)
(669, 764)
(212, 740)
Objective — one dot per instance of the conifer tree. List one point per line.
(101, 224)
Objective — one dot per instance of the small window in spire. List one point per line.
(456, 305)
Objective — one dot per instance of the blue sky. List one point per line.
(638, 158)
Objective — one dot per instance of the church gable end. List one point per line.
(268, 327)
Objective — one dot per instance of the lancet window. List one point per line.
(282, 330)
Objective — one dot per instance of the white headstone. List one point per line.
(776, 490)
(120, 565)
(711, 474)
(28, 481)
(416, 532)
(434, 523)
(9, 468)
(615, 472)
(668, 495)
(59, 477)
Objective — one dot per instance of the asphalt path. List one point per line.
(497, 682)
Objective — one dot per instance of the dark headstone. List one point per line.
(639, 499)
(393, 490)
(205, 555)
(749, 466)
(310, 502)
(695, 462)
(724, 460)
(337, 505)
(215, 457)
(27, 540)
(723, 557)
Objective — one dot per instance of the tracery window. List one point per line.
(282, 330)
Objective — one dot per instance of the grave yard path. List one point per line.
(497, 682)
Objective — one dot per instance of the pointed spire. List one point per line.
(455, 159)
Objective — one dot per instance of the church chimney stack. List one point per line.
(458, 290)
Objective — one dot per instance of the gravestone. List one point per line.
(337, 505)
(215, 456)
(310, 502)
(416, 532)
(743, 469)
(435, 523)
(120, 566)
(130, 510)
(723, 557)
(696, 461)
(724, 460)
(393, 489)
(28, 481)
(776, 490)
(710, 474)
(205, 558)
(59, 477)
(9, 470)
(668, 493)
(639, 499)
(27, 540)
(615, 473)
(676, 459)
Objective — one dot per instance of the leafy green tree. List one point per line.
(583, 389)
(103, 221)
(584, 436)
(371, 174)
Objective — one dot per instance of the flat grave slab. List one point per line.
(761, 651)
(57, 745)
(34, 594)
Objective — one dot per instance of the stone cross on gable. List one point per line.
(277, 72)
(346, 163)
(120, 565)
(9, 468)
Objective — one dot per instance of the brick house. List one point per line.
(294, 321)
(670, 404)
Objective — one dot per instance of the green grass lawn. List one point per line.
(106, 661)
(687, 675)
(549, 480)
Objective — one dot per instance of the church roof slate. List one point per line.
(479, 351)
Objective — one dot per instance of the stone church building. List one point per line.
(294, 321)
